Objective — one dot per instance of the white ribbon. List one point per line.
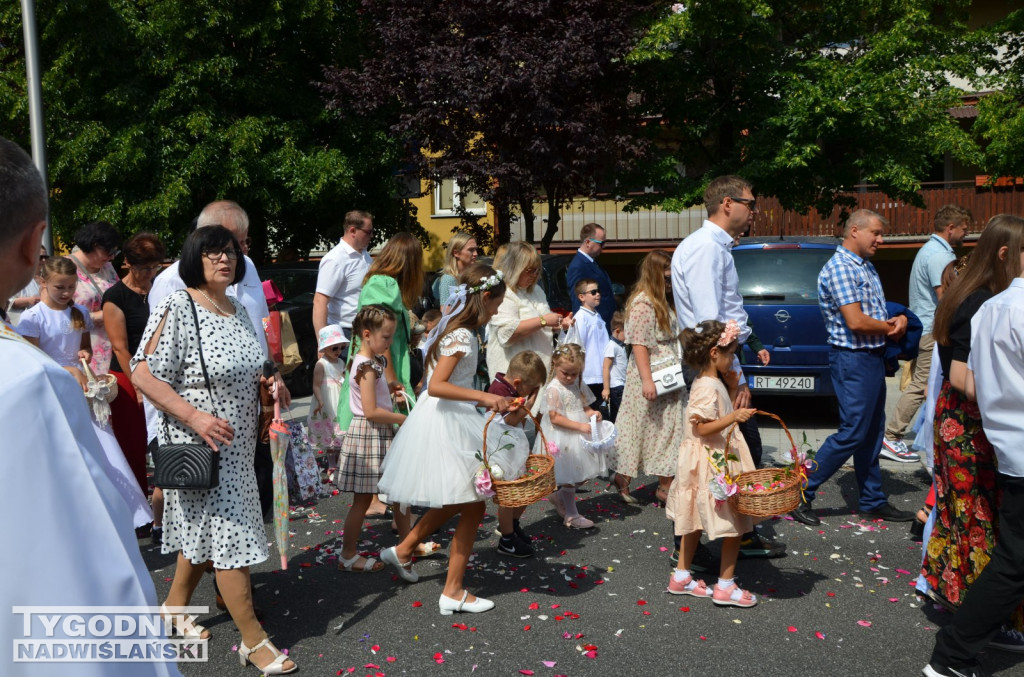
(100, 393)
(455, 304)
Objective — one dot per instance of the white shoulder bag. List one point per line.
(669, 378)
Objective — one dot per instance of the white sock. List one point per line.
(680, 575)
(724, 583)
(568, 495)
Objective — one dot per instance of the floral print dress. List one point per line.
(89, 293)
(650, 432)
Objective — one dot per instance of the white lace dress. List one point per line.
(432, 460)
(573, 462)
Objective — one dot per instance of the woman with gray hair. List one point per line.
(524, 320)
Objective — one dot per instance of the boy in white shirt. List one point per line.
(614, 368)
(593, 333)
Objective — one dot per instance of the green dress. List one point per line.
(382, 290)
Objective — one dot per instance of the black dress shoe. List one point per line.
(804, 514)
(888, 513)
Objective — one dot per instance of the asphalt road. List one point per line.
(840, 603)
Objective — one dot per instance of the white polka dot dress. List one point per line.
(223, 524)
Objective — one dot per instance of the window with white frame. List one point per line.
(448, 196)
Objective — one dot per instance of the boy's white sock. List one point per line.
(680, 575)
(725, 582)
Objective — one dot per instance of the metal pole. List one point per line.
(35, 102)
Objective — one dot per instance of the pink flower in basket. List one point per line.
(721, 487)
(482, 483)
(552, 448)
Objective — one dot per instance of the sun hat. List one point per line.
(331, 335)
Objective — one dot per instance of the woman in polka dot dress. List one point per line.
(222, 525)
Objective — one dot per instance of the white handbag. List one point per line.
(669, 379)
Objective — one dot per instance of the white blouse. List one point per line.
(518, 305)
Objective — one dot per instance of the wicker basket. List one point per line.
(770, 502)
(538, 482)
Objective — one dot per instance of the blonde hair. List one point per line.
(62, 265)
(651, 281)
(455, 246)
(529, 367)
(402, 259)
(568, 354)
(516, 258)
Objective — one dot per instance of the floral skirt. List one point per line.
(966, 500)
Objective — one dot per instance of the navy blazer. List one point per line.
(581, 268)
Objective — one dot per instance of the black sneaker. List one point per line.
(757, 546)
(514, 547)
(703, 559)
(887, 513)
(518, 531)
(805, 514)
(963, 670)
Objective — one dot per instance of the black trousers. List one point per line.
(996, 592)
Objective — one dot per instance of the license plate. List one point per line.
(781, 383)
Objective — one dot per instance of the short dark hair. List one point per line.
(722, 187)
(22, 192)
(589, 230)
(144, 248)
(951, 215)
(582, 285)
(97, 234)
(356, 218)
(202, 239)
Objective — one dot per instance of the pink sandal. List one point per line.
(699, 589)
(734, 595)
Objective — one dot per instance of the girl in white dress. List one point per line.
(433, 458)
(566, 404)
(60, 328)
(328, 376)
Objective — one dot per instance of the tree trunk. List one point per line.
(502, 223)
(526, 207)
(554, 216)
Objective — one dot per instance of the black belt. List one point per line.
(880, 350)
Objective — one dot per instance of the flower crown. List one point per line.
(487, 282)
(729, 334)
(563, 348)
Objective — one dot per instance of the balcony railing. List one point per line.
(653, 226)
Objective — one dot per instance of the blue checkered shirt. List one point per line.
(846, 279)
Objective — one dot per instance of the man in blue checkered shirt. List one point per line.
(853, 304)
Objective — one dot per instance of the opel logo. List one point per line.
(782, 316)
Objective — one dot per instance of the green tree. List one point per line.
(804, 99)
(516, 99)
(154, 108)
(1000, 123)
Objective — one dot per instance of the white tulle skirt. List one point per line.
(433, 458)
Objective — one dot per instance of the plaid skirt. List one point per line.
(364, 448)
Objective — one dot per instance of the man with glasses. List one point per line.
(341, 275)
(584, 266)
(705, 286)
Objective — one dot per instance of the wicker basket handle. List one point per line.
(785, 429)
(536, 422)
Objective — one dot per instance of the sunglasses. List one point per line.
(600, 242)
(751, 203)
(593, 292)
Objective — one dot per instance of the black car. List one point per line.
(297, 282)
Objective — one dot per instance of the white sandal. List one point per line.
(194, 631)
(368, 567)
(275, 667)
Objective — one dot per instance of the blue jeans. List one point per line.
(859, 381)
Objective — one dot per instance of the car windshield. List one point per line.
(771, 276)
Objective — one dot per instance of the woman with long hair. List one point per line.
(966, 525)
(650, 425)
(461, 253)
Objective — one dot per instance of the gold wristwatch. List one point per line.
(543, 322)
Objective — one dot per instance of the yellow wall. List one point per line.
(439, 228)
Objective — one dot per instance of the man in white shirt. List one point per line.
(341, 275)
(996, 378)
(705, 286)
(249, 291)
(53, 462)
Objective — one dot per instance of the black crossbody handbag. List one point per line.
(187, 466)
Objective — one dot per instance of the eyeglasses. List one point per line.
(600, 242)
(365, 230)
(110, 253)
(215, 254)
(751, 203)
(531, 271)
(593, 292)
(156, 267)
